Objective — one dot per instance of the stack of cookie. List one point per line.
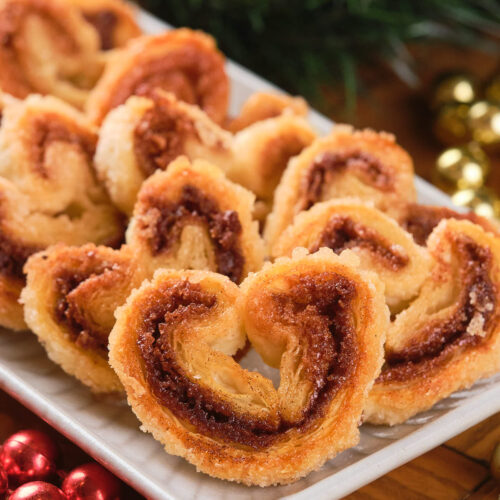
(149, 240)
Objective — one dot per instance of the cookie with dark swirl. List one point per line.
(449, 336)
(316, 317)
(47, 47)
(183, 62)
(347, 163)
(380, 243)
(48, 191)
(190, 217)
(146, 134)
(114, 21)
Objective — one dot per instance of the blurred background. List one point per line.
(427, 71)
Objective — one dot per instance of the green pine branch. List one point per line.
(302, 45)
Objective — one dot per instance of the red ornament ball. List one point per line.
(28, 455)
(91, 482)
(4, 483)
(38, 490)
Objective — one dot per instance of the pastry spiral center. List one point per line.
(322, 171)
(163, 221)
(342, 233)
(73, 310)
(50, 129)
(317, 308)
(467, 326)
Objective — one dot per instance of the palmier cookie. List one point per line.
(48, 191)
(380, 243)
(144, 135)
(184, 62)
(347, 163)
(189, 217)
(47, 48)
(316, 317)
(449, 336)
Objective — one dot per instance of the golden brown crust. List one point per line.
(184, 62)
(175, 336)
(262, 106)
(192, 217)
(69, 302)
(347, 163)
(114, 21)
(449, 336)
(189, 217)
(147, 134)
(48, 192)
(382, 246)
(47, 47)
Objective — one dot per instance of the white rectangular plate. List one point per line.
(110, 433)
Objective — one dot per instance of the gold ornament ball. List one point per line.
(482, 201)
(456, 88)
(492, 90)
(450, 125)
(463, 167)
(484, 122)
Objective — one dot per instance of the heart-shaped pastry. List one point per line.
(381, 244)
(316, 317)
(189, 217)
(449, 336)
(48, 190)
(184, 62)
(47, 48)
(347, 163)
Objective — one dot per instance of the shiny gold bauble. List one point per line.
(455, 88)
(492, 90)
(450, 124)
(482, 201)
(483, 120)
(462, 167)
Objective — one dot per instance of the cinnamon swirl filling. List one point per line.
(70, 309)
(159, 138)
(342, 233)
(471, 321)
(104, 22)
(48, 129)
(184, 73)
(369, 168)
(162, 222)
(318, 306)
